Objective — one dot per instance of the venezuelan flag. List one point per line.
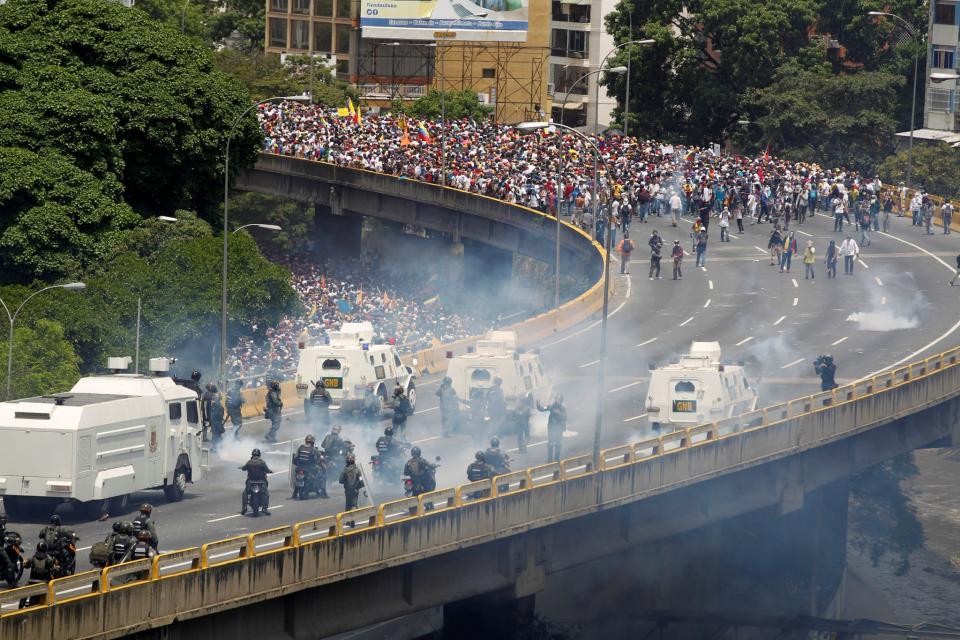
(423, 133)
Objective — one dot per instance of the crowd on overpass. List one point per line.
(400, 307)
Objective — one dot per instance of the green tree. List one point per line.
(459, 104)
(935, 167)
(294, 218)
(832, 119)
(43, 360)
(266, 76)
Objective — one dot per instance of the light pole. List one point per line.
(913, 102)
(12, 317)
(226, 228)
(443, 100)
(271, 227)
(601, 375)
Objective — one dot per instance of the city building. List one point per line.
(509, 75)
(940, 106)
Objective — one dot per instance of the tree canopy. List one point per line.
(43, 360)
(935, 168)
(459, 104)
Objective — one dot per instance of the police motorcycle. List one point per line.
(336, 460)
(387, 464)
(409, 489)
(306, 476)
(256, 491)
(13, 547)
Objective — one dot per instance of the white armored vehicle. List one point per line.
(520, 371)
(109, 436)
(698, 389)
(358, 374)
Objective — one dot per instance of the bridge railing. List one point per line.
(221, 573)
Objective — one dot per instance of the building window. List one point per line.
(299, 34)
(941, 100)
(578, 44)
(489, 73)
(944, 12)
(943, 57)
(278, 32)
(280, 6)
(343, 8)
(343, 38)
(302, 7)
(322, 37)
(323, 8)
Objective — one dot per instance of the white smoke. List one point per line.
(896, 305)
(883, 320)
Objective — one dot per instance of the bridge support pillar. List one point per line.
(337, 232)
(491, 615)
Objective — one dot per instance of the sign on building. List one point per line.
(505, 20)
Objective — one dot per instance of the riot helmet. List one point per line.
(415, 452)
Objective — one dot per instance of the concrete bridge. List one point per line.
(506, 536)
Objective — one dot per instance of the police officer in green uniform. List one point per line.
(257, 471)
(43, 568)
(215, 415)
(420, 472)
(235, 401)
(144, 522)
(317, 406)
(497, 458)
(449, 407)
(352, 481)
(479, 469)
(273, 411)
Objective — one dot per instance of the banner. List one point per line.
(505, 20)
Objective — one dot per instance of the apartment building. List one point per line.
(940, 109)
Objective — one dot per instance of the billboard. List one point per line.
(505, 20)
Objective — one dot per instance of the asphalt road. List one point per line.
(775, 322)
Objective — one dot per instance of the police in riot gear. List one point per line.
(421, 472)
(193, 383)
(215, 415)
(334, 447)
(449, 407)
(317, 406)
(140, 549)
(496, 405)
(273, 410)
(121, 543)
(556, 425)
(497, 459)
(52, 533)
(144, 522)
(827, 370)
(257, 471)
(352, 481)
(43, 566)
(235, 401)
(521, 420)
(402, 409)
(205, 409)
(309, 458)
(479, 469)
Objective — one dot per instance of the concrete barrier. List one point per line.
(438, 500)
(271, 540)
(119, 576)
(315, 530)
(399, 510)
(171, 563)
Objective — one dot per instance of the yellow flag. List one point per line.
(350, 109)
(343, 112)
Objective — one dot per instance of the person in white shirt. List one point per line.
(725, 225)
(675, 208)
(850, 251)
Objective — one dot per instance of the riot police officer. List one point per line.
(121, 543)
(479, 469)
(389, 450)
(140, 549)
(497, 459)
(205, 410)
(273, 410)
(402, 409)
(215, 415)
(521, 419)
(309, 458)
(193, 383)
(827, 370)
(421, 472)
(43, 568)
(257, 471)
(144, 522)
(51, 534)
(317, 406)
(352, 481)
(334, 447)
(449, 407)
(496, 405)
(556, 425)
(235, 401)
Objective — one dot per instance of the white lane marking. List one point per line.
(532, 444)
(878, 281)
(83, 549)
(572, 335)
(589, 364)
(642, 415)
(707, 303)
(646, 342)
(416, 413)
(236, 515)
(744, 341)
(277, 473)
(796, 301)
(883, 300)
(704, 269)
(763, 251)
(710, 284)
(863, 264)
(779, 320)
(626, 386)
(933, 342)
(836, 342)
(809, 235)
(686, 322)
(795, 283)
(277, 444)
(424, 384)
(790, 364)
(426, 439)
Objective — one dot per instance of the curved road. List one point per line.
(777, 323)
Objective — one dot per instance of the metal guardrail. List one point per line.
(617, 464)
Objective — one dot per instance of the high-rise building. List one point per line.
(940, 109)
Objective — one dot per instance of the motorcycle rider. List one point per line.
(334, 447)
(310, 459)
(215, 415)
(144, 522)
(556, 425)
(420, 472)
(273, 410)
(317, 406)
(235, 402)
(497, 459)
(389, 451)
(352, 481)
(449, 407)
(402, 409)
(827, 370)
(479, 469)
(257, 471)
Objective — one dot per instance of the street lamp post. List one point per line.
(12, 318)
(601, 376)
(913, 102)
(443, 100)
(226, 228)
